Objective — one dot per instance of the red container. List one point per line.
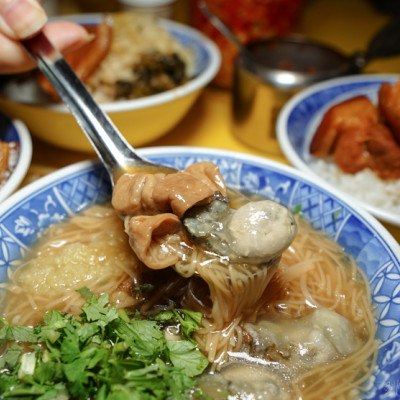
(250, 20)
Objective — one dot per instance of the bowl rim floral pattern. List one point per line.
(15, 130)
(25, 215)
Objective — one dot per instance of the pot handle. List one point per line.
(386, 42)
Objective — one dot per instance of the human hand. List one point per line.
(20, 19)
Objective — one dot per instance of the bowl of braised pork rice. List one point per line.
(146, 73)
(345, 132)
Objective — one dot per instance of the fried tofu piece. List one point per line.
(389, 106)
(358, 112)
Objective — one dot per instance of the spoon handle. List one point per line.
(111, 147)
(386, 42)
(228, 33)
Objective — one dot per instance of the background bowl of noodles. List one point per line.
(25, 216)
(142, 119)
(15, 154)
(296, 127)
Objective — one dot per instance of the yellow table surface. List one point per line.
(345, 24)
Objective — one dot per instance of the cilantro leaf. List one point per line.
(18, 333)
(95, 310)
(10, 358)
(189, 321)
(185, 355)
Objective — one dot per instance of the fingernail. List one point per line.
(23, 17)
(89, 37)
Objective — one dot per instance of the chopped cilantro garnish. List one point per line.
(297, 209)
(336, 216)
(189, 321)
(101, 354)
(145, 288)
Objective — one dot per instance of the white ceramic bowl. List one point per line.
(15, 131)
(25, 215)
(301, 115)
(141, 120)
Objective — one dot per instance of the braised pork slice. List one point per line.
(350, 152)
(357, 112)
(385, 152)
(389, 106)
(372, 147)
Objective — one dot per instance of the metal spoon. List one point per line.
(117, 155)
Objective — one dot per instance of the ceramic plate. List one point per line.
(20, 156)
(300, 117)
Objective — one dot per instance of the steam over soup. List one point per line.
(284, 312)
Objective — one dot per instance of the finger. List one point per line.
(20, 19)
(13, 57)
(64, 35)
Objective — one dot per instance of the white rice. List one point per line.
(364, 185)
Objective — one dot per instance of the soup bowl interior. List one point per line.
(26, 214)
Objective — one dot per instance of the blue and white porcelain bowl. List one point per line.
(25, 215)
(20, 157)
(298, 121)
